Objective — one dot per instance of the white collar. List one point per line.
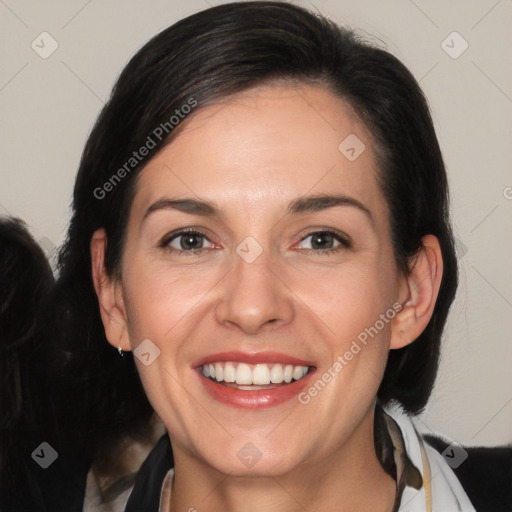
(441, 491)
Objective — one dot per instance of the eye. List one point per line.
(186, 241)
(324, 242)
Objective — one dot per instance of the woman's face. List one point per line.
(287, 267)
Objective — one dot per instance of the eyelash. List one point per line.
(344, 241)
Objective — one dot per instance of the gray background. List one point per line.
(48, 107)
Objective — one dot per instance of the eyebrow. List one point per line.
(300, 206)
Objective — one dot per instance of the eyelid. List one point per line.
(166, 239)
(343, 238)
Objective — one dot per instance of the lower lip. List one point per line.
(257, 399)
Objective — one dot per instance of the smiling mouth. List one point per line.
(250, 377)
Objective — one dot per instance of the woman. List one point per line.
(260, 231)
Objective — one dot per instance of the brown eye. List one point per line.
(323, 241)
(187, 241)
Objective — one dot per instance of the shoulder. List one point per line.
(147, 488)
(485, 473)
(109, 487)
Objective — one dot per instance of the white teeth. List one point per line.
(219, 371)
(229, 372)
(297, 373)
(258, 374)
(277, 374)
(243, 374)
(261, 375)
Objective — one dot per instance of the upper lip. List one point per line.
(251, 358)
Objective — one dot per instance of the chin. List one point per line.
(257, 458)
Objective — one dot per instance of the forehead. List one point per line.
(265, 147)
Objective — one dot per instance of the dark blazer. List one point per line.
(486, 475)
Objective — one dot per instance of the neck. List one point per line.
(351, 478)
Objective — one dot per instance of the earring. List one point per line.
(120, 350)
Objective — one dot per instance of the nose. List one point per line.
(254, 296)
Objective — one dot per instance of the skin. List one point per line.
(252, 155)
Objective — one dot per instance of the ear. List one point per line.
(418, 293)
(110, 294)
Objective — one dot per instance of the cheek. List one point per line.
(159, 299)
(159, 302)
(349, 298)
